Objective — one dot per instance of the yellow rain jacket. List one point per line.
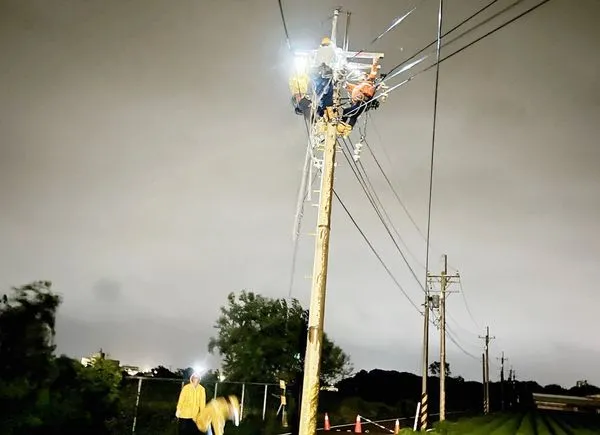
(299, 84)
(192, 401)
(217, 412)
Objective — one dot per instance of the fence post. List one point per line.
(265, 402)
(216, 387)
(242, 401)
(137, 403)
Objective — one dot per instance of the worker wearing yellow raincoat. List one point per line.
(299, 87)
(192, 401)
(217, 412)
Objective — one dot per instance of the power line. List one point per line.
(389, 272)
(444, 35)
(433, 131)
(467, 46)
(361, 181)
(395, 195)
(396, 22)
(373, 199)
(450, 335)
(285, 29)
(462, 292)
(393, 189)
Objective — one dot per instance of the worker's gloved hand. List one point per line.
(344, 129)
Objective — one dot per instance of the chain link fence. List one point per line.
(150, 403)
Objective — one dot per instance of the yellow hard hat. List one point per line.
(325, 41)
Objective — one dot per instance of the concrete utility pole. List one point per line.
(444, 281)
(487, 339)
(502, 359)
(423, 408)
(312, 360)
(483, 383)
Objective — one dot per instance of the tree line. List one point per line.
(259, 339)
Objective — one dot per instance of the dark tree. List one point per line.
(39, 393)
(434, 368)
(262, 340)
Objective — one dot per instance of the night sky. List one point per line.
(150, 161)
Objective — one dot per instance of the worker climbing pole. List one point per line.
(316, 88)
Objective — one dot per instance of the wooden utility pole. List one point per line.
(314, 342)
(312, 360)
(445, 280)
(487, 339)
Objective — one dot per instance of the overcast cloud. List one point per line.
(149, 162)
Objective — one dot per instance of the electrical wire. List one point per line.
(444, 35)
(285, 29)
(387, 269)
(391, 186)
(374, 199)
(458, 325)
(464, 297)
(464, 47)
(434, 125)
(404, 207)
(466, 32)
(452, 338)
(371, 245)
(396, 22)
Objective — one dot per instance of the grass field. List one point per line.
(539, 423)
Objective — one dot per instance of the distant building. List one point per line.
(131, 370)
(86, 361)
(556, 402)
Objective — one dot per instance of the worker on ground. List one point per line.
(360, 95)
(216, 413)
(191, 403)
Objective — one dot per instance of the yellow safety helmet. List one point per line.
(325, 41)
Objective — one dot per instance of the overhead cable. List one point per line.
(373, 199)
(433, 132)
(387, 269)
(285, 29)
(445, 34)
(466, 46)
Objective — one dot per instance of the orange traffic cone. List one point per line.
(327, 427)
(357, 425)
(397, 427)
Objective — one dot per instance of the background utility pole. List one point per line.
(423, 409)
(312, 359)
(487, 339)
(502, 359)
(444, 281)
(485, 407)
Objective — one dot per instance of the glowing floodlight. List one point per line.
(198, 370)
(300, 63)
